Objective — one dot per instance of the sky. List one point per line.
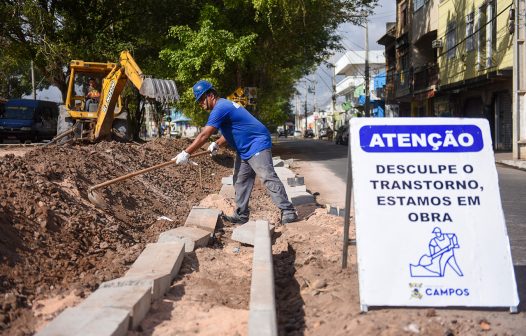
(353, 38)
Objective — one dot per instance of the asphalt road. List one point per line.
(512, 184)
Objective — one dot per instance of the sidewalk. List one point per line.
(507, 159)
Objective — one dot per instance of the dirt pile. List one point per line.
(52, 238)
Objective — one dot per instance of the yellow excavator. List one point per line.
(94, 119)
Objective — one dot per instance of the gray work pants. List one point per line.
(245, 172)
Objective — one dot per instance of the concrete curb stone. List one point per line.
(192, 237)
(158, 283)
(228, 191)
(88, 322)
(137, 300)
(262, 314)
(158, 259)
(203, 218)
(228, 180)
(246, 233)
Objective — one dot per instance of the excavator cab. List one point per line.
(78, 85)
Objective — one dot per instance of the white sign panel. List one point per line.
(430, 228)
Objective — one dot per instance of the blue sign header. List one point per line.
(421, 138)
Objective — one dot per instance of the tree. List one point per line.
(268, 44)
(264, 43)
(53, 32)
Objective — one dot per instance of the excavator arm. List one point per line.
(114, 83)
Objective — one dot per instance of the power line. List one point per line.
(475, 32)
(324, 82)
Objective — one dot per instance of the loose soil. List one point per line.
(56, 248)
(53, 241)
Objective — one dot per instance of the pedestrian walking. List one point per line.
(252, 143)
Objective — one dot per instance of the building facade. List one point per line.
(453, 58)
(476, 63)
(352, 67)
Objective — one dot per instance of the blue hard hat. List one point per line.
(201, 87)
(437, 230)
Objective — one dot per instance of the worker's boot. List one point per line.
(288, 217)
(236, 218)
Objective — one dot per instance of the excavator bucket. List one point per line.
(163, 90)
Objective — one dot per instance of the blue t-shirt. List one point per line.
(242, 130)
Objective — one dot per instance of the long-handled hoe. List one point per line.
(98, 200)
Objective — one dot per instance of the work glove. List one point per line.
(181, 158)
(213, 148)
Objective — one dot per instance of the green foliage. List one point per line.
(14, 82)
(268, 44)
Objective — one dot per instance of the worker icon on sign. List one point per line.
(441, 254)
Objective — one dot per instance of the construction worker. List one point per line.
(93, 94)
(252, 142)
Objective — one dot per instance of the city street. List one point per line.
(322, 154)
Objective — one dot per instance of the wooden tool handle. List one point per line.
(138, 172)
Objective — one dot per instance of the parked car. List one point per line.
(28, 119)
(342, 135)
(326, 133)
(309, 133)
(285, 132)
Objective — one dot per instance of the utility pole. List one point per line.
(297, 113)
(314, 108)
(519, 84)
(305, 112)
(367, 93)
(333, 104)
(33, 81)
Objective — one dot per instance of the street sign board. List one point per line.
(430, 228)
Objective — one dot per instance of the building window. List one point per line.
(403, 74)
(493, 14)
(470, 39)
(451, 39)
(481, 55)
(418, 4)
(403, 15)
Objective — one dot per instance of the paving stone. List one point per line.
(203, 218)
(191, 237)
(137, 300)
(296, 181)
(301, 198)
(332, 210)
(288, 162)
(341, 212)
(245, 233)
(229, 180)
(158, 283)
(158, 259)
(278, 163)
(228, 191)
(284, 173)
(88, 322)
(296, 189)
